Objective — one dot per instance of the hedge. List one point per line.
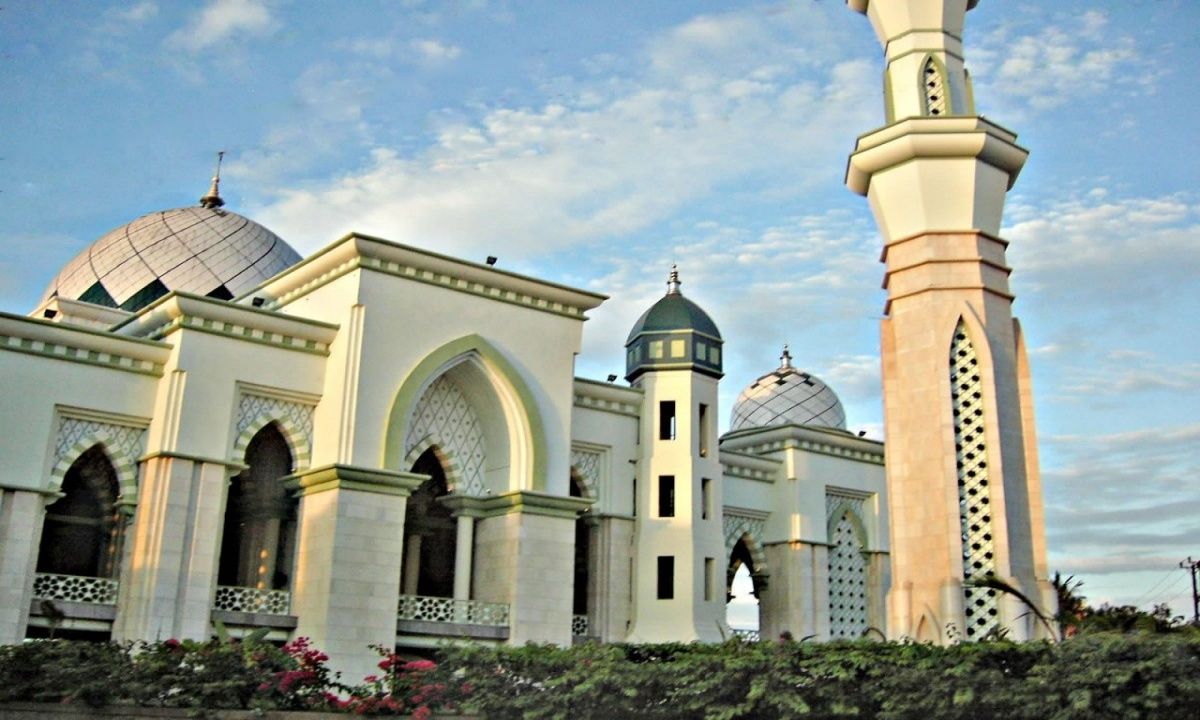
(1096, 676)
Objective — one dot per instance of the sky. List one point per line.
(596, 143)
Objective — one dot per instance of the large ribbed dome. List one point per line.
(787, 396)
(203, 250)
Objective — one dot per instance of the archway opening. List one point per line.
(742, 608)
(430, 539)
(848, 611)
(582, 580)
(259, 535)
(82, 531)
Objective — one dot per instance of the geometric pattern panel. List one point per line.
(835, 501)
(443, 417)
(295, 420)
(935, 89)
(252, 600)
(586, 464)
(847, 581)
(72, 588)
(449, 610)
(123, 444)
(974, 496)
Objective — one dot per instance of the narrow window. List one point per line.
(705, 499)
(666, 577)
(656, 349)
(934, 86)
(678, 348)
(666, 496)
(666, 420)
(701, 351)
(703, 424)
(710, 567)
(714, 355)
(635, 496)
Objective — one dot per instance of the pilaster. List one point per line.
(21, 516)
(175, 539)
(797, 600)
(347, 581)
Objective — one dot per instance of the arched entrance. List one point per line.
(744, 582)
(427, 568)
(259, 535)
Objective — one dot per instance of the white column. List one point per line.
(21, 513)
(412, 564)
(463, 546)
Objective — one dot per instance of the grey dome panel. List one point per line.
(191, 249)
(787, 396)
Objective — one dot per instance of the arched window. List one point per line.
(428, 565)
(259, 536)
(743, 610)
(934, 88)
(81, 534)
(848, 616)
(974, 494)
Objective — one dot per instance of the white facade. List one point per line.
(380, 444)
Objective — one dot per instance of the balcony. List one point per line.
(440, 617)
(747, 635)
(73, 602)
(245, 608)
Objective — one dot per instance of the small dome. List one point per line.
(674, 334)
(203, 250)
(787, 396)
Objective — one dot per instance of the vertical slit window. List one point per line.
(933, 86)
(710, 568)
(704, 429)
(666, 420)
(705, 499)
(666, 496)
(666, 577)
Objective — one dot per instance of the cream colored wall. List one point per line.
(615, 437)
(686, 537)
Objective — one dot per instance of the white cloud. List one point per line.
(221, 21)
(136, 13)
(435, 52)
(1044, 67)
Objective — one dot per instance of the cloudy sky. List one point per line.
(595, 143)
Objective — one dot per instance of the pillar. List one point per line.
(797, 601)
(347, 583)
(167, 588)
(21, 514)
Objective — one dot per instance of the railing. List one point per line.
(449, 610)
(747, 635)
(75, 588)
(580, 625)
(252, 600)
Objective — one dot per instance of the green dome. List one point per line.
(674, 334)
(674, 312)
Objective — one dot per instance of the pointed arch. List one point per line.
(934, 88)
(525, 441)
(122, 446)
(849, 604)
(293, 421)
(445, 457)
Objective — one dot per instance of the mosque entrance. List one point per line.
(744, 582)
(427, 568)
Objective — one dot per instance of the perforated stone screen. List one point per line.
(847, 582)
(974, 496)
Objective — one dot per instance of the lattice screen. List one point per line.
(847, 581)
(444, 414)
(974, 502)
(935, 88)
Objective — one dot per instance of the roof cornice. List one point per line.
(827, 441)
(364, 251)
(75, 343)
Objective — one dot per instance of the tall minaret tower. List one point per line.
(964, 492)
(674, 355)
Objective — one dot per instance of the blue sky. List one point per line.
(595, 143)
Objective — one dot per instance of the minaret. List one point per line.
(673, 354)
(964, 492)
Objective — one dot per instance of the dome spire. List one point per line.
(213, 199)
(785, 360)
(673, 281)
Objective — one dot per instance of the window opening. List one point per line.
(666, 420)
(666, 577)
(666, 496)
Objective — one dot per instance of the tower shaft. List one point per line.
(963, 487)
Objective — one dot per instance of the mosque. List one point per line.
(382, 444)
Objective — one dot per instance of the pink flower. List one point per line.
(419, 665)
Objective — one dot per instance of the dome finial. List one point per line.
(785, 360)
(213, 199)
(673, 281)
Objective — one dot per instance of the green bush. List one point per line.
(1094, 676)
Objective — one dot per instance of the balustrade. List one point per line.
(75, 588)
